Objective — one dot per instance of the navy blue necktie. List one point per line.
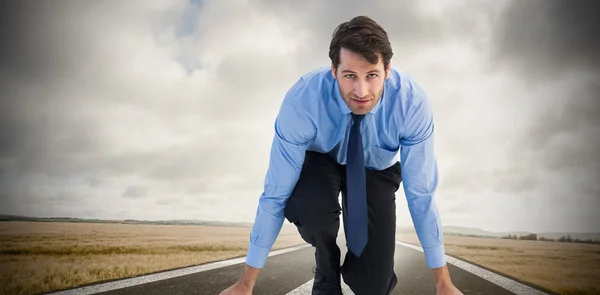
(356, 184)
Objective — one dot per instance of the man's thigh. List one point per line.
(381, 199)
(314, 200)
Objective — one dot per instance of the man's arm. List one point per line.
(293, 133)
(420, 177)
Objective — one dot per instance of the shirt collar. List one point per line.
(344, 107)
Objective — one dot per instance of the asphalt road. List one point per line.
(289, 272)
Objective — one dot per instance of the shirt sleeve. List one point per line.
(420, 176)
(293, 132)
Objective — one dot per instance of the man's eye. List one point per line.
(352, 76)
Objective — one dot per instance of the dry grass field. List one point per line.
(43, 256)
(565, 268)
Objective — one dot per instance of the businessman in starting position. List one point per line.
(339, 129)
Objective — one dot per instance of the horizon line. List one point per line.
(403, 227)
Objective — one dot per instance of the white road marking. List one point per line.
(306, 288)
(164, 275)
(506, 283)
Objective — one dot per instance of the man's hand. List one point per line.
(447, 289)
(245, 284)
(443, 282)
(237, 289)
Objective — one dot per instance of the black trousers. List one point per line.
(314, 208)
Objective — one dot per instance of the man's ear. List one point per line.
(388, 70)
(333, 71)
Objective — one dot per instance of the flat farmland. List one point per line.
(565, 268)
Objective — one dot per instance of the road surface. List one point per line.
(290, 272)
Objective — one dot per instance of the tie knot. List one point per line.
(357, 118)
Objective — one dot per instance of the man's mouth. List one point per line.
(360, 101)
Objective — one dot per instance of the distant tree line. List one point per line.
(563, 239)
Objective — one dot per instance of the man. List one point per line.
(339, 129)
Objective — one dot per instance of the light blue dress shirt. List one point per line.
(313, 116)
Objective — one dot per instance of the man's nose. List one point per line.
(361, 89)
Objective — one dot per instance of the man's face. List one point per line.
(360, 83)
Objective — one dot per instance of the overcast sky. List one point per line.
(165, 109)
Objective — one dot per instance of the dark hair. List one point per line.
(364, 36)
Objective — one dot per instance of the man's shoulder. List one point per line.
(317, 75)
(403, 85)
(310, 87)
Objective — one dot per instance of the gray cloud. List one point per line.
(411, 25)
(134, 192)
(563, 139)
(569, 135)
(545, 39)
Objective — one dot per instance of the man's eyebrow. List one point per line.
(353, 72)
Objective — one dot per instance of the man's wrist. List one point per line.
(249, 276)
(441, 275)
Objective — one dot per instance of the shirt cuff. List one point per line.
(435, 257)
(257, 256)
